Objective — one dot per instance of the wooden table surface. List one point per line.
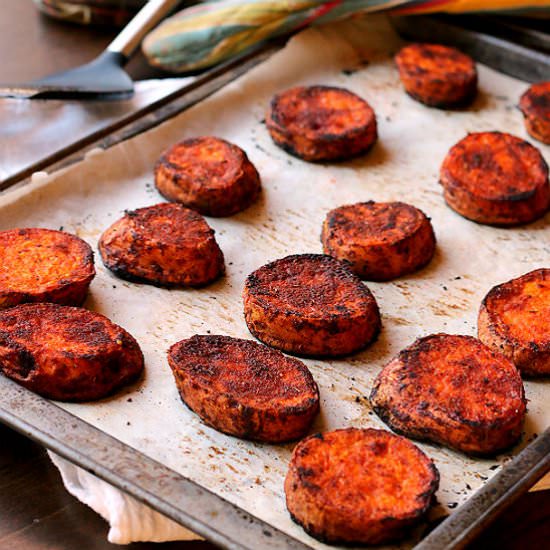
(36, 512)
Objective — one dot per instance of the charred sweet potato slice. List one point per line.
(513, 319)
(436, 75)
(245, 389)
(535, 106)
(379, 240)
(209, 175)
(43, 265)
(310, 305)
(452, 390)
(496, 179)
(164, 245)
(318, 123)
(359, 486)
(66, 353)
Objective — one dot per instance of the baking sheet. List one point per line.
(52, 125)
(404, 164)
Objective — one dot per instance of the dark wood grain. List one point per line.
(525, 526)
(36, 512)
(34, 45)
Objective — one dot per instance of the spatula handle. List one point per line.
(130, 37)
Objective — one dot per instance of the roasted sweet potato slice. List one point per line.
(359, 486)
(436, 75)
(164, 245)
(496, 179)
(310, 305)
(245, 389)
(318, 123)
(453, 390)
(209, 175)
(43, 265)
(513, 319)
(535, 106)
(66, 353)
(379, 240)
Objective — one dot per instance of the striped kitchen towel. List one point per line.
(205, 34)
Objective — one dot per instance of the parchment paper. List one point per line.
(444, 297)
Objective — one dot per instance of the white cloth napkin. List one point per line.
(129, 519)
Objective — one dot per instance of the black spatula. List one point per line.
(102, 78)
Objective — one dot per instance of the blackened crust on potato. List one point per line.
(379, 241)
(513, 319)
(209, 175)
(321, 123)
(452, 390)
(495, 178)
(165, 245)
(310, 305)
(436, 75)
(245, 389)
(44, 265)
(66, 353)
(535, 106)
(359, 486)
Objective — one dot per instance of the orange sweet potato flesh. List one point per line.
(66, 353)
(535, 106)
(436, 75)
(380, 241)
(245, 389)
(359, 486)
(44, 265)
(496, 178)
(452, 390)
(310, 305)
(164, 245)
(319, 123)
(513, 319)
(209, 175)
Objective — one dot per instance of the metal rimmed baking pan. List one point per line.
(235, 479)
